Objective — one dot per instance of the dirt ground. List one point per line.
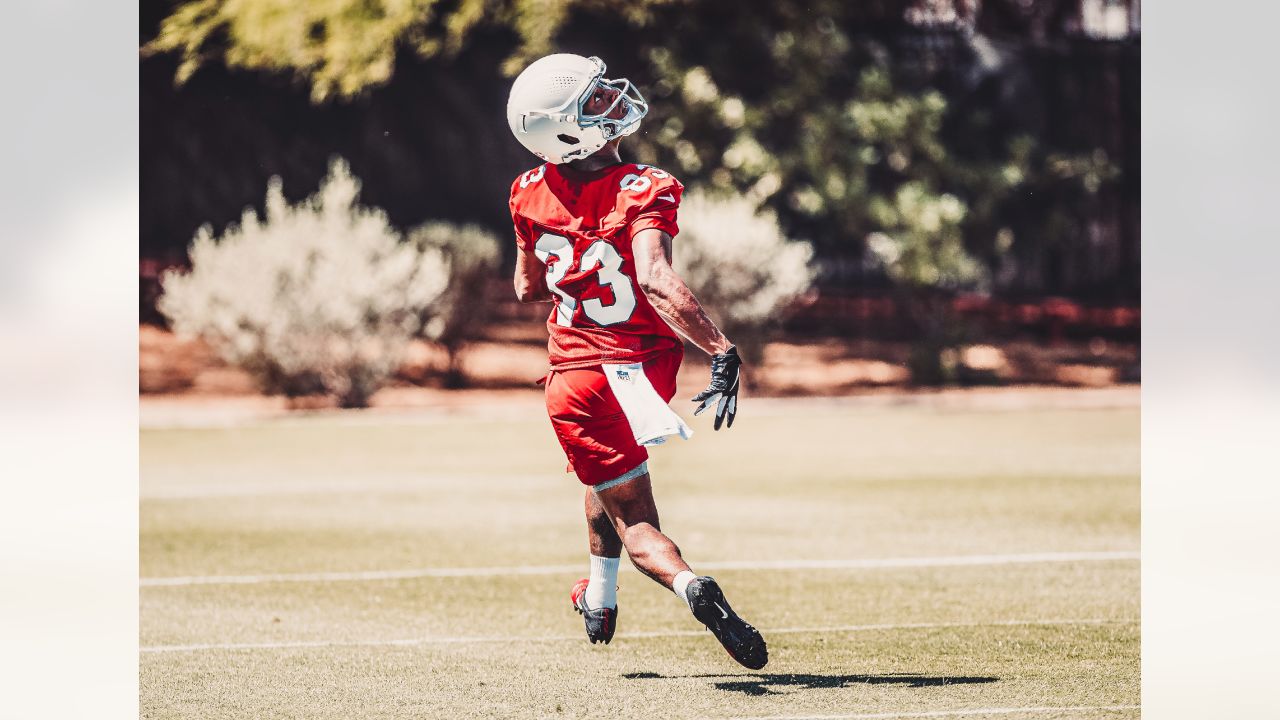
(504, 367)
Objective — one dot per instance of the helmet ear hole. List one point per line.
(567, 139)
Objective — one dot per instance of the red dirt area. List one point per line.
(512, 357)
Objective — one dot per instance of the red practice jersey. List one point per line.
(580, 225)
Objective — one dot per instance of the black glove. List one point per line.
(723, 390)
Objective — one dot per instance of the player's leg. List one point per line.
(599, 442)
(574, 406)
(602, 538)
(635, 517)
(596, 597)
(606, 549)
(632, 508)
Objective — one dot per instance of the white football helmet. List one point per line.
(546, 108)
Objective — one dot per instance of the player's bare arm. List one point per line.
(669, 294)
(530, 278)
(675, 302)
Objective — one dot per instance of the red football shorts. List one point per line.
(590, 424)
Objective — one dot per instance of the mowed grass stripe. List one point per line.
(962, 712)
(462, 640)
(853, 564)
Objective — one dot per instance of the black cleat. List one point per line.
(743, 642)
(600, 622)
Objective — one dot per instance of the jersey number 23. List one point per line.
(600, 254)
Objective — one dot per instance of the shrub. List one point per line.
(454, 318)
(741, 267)
(320, 298)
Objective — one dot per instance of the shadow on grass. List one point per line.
(763, 684)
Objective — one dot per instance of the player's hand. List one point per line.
(723, 390)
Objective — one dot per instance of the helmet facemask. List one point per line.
(627, 95)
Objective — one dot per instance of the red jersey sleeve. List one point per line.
(521, 223)
(524, 238)
(655, 198)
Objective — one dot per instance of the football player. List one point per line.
(594, 237)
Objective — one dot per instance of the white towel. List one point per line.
(652, 420)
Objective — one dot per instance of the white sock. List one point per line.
(602, 586)
(680, 585)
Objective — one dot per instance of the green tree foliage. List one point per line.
(340, 47)
(839, 151)
(343, 47)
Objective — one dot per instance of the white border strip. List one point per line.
(477, 639)
(856, 564)
(964, 712)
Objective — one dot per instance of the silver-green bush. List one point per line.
(740, 265)
(320, 298)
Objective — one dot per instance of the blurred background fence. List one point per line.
(949, 161)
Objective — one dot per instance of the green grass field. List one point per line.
(902, 561)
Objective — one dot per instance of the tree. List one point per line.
(342, 48)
